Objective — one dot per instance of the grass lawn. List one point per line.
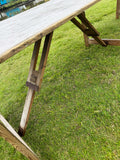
(76, 115)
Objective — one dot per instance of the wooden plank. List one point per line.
(10, 135)
(113, 42)
(25, 28)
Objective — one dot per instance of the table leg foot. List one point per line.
(21, 132)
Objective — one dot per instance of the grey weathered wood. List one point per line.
(25, 28)
(10, 135)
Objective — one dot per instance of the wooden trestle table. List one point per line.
(18, 32)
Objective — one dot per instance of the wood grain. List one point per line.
(19, 31)
(10, 135)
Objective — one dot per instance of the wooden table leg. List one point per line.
(34, 80)
(88, 29)
(118, 9)
(86, 38)
(26, 112)
(10, 135)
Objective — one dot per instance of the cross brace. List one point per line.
(34, 79)
(88, 29)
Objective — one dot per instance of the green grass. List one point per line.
(76, 115)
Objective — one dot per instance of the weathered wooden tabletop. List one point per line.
(25, 28)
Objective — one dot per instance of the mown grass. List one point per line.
(76, 115)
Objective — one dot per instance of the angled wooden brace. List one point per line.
(118, 9)
(88, 29)
(10, 135)
(34, 79)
